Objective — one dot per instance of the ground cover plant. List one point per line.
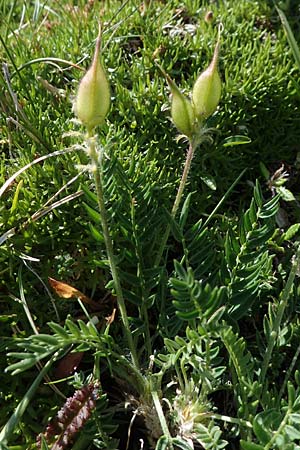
(149, 281)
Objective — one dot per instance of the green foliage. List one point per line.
(242, 364)
(210, 437)
(278, 429)
(84, 336)
(198, 354)
(248, 260)
(194, 299)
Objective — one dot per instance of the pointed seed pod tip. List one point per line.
(93, 97)
(207, 88)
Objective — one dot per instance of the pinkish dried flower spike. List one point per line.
(70, 418)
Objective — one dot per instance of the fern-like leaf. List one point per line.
(246, 390)
(279, 428)
(39, 346)
(249, 263)
(210, 437)
(193, 298)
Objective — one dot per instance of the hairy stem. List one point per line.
(177, 201)
(140, 272)
(97, 173)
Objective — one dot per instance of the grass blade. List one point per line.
(290, 36)
(15, 418)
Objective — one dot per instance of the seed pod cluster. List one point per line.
(188, 114)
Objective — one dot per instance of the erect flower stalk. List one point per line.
(97, 173)
(91, 107)
(177, 201)
(188, 116)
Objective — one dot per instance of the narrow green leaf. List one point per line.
(16, 197)
(44, 443)
(292, 432)
(291, 232)
(217, 315)
(236, 140)
(175, 229)
(35, 348)
(47, 339)
(94, 215)
(180, 270)
(290, 36)
(182, 296)
(295, 418)
(84, 328)
(89, 194)
(19, 355)
(264, 170)
(181, 443)
(21, 366)
(291, 394)
(92, 329)
(8, 429)
(96, 233)
(264, 424)
(58, 329)
(189, 315)
(132, 297)
(250, 446)
(258, 194)
(209, 181)
(270, 208)
(179, 285)
(102, 263)
(285, 194)
(185, 211)
(73, 328)
(162, 443)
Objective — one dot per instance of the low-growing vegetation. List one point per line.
(149, 214)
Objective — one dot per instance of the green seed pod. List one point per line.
(207, 89)
(182, 112)
(93, 97)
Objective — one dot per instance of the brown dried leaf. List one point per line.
(64, 290)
